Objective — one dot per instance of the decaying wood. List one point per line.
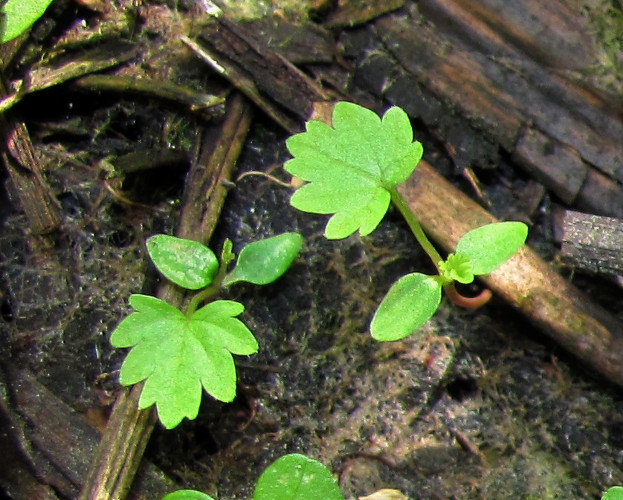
(206, 189)
(593, 243)
(525, 282)
(356, 12)
(552, 163)
(25, 171)
(45, 76)
(207, 106)
(274, 84)
(22, 163)
(129, 428)
(54, 443)
(24, 167)
(518, 74)
(298, 43)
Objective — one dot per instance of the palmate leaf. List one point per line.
(176, 355)
(351, 166)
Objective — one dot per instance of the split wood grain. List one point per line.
(522, 75)
(593, 243)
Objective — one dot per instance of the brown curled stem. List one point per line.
(467, 302)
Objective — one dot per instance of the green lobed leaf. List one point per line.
(218, 317)
(296, 477)
(410, 303)
(177, 355)
(351, 166)
(263, 261)
(488, 247)
(614, 493)
(187, 495)
(186, 263)
(19, 15)
(135, 328)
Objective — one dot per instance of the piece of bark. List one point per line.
(42, 77)
(53, 444)
(593, 243)
(600, 195)
(352, 13)
(299, 43)
(128, 430)
(552, 163)
(525, 281)
(499, 71)
(274, 84)
(26, 175)
(515, 74)
(207, 106)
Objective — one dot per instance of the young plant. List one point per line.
(351, 170)
(290, 477)
(293, 477)
(177, 353)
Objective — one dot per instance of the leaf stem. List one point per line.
(400, 203)
(202, 296)
(211, 290)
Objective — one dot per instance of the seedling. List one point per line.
(293, 477)
(290, 477)
(19, 15)
(297, 476)
(177, 353)
(351, 170)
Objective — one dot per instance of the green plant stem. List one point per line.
(448, 286)
(202, 296)
(400, 203)
(210, 291)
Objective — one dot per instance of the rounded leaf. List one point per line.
(186, 263)
(488, 247)
(187, 495)
(19, 15)
(614, 493)
(264, 261)
(294, 477)
(410, 303)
